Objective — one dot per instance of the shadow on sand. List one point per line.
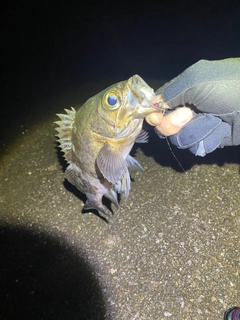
(43, 278)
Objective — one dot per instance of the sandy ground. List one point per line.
(170, 252)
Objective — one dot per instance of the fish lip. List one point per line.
(148, 108)
(143, 93)
(140, 88)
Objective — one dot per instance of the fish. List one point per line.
(96, 140)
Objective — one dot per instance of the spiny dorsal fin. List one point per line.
(65, 127)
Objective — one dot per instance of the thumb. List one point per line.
(174, 121)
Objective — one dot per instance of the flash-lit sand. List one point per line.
(170, 252)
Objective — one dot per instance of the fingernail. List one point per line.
(181, 117)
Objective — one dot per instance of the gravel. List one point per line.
(170, 252)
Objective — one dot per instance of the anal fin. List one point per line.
(112, 196)
(123, 186)
(88, 206)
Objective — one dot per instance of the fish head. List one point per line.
(123, 106)
(139, 97)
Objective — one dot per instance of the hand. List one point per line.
(172, 122)
(212, 88)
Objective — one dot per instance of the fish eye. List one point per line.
(112, 100)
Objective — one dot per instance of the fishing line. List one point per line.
(170, 148)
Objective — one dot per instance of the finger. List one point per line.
(154, 119)
(174, 121)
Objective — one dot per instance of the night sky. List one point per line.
(49, 47)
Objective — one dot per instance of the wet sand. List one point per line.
(170, 252)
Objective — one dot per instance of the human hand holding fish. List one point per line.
(170, 123)
(212, 90)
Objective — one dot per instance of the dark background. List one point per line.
(50, 47)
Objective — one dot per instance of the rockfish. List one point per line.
(97, 139)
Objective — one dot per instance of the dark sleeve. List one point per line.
(211, 86)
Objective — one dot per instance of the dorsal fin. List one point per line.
(65, 127)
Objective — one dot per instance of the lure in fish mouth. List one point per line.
(96, 140)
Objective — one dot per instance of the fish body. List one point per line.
(97, 139)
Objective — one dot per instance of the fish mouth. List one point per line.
(143, 93)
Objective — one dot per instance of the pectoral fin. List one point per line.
(142, 137)
(133, 164)
(112, 165)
